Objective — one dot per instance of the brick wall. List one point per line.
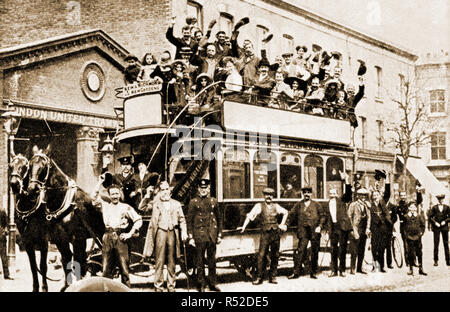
(138, 25)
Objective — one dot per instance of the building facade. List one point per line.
(433, 72)
(61, 61)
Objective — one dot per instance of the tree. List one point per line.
(411, 127)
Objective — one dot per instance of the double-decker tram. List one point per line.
(242, 146)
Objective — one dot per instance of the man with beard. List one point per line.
(166, 222)
(310, 218)
(204, 225)
(132, 70)
(270, 234)
(185, 41)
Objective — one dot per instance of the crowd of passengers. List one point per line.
(204, 71)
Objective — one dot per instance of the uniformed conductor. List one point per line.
(121, 222)
(204, 226)
(270, 235)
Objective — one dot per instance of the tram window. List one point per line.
(290, 174)
(264, 173)
(236, 174)
(334, 165)
(314, 174)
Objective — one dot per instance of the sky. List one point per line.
(419, 25)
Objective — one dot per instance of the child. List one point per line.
(414, 229)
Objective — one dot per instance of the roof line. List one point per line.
(309, 14)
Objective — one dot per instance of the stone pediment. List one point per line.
(38, 51)
(75, 73)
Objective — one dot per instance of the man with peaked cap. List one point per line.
(359, 213)
(166, 223)
(270, 234)
(439, 217)
(125, 179)
(339, 227)
(204, 226)
(310, 220)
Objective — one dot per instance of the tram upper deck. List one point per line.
(144, 114)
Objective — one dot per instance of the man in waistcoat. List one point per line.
(270, 233)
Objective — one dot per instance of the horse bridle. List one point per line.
(47, 165)
(18, 175)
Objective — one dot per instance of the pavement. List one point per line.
(229, 280)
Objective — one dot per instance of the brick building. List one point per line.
(49, 50)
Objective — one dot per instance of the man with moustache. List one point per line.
(204, 226)
(310, 219)
(270, 234)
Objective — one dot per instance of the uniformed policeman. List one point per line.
(204, 226)
(121, 222)
(270, 234)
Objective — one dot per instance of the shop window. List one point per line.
(290, 173)
(313, 176)
(334, 165)
(264, 172)
(236, 174)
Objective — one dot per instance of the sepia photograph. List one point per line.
(247, 147)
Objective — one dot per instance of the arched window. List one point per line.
(290, 174)
(334, 165)
(236, 174)
(264, 172)
(314, 174)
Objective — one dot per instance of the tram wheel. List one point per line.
(397, 252)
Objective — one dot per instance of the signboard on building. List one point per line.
(65, 117)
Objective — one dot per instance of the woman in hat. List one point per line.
(205, 99)
(149, 64)
(298, 87)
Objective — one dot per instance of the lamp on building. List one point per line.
(11, 125)
(107, 152)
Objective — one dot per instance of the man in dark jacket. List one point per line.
(353, 100)
(439, 216)
(204, 226)
(310, 219)
(3, 232)
(185, 41)
(339, 227)
(414, 227)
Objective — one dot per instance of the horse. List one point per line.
(30, 219)
(71, 216)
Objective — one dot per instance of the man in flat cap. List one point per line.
(359, 213)
(310, 218)
(439, 217)
(270, 234)
(204, 226)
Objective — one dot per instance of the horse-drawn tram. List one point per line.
(243, 144)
